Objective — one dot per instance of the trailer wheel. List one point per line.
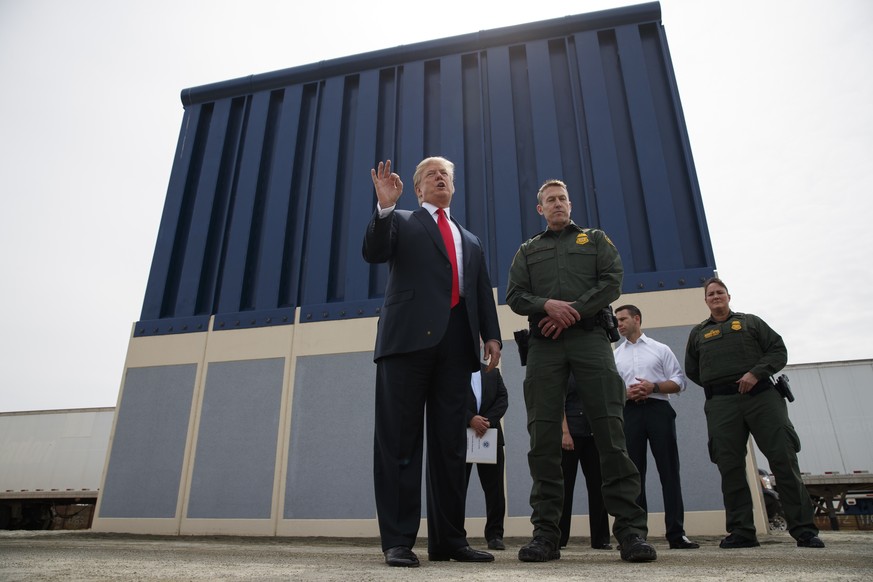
(778, 522)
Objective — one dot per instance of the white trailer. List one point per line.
(51, 463)
(832, 415)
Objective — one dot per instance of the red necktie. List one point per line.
(449, 240)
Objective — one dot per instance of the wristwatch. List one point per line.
(655, 388)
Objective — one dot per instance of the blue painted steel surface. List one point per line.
(270, 190)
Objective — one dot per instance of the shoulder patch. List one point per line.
(538, 235)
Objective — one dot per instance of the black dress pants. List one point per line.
(432, 384)
(585, 454)
(653, 423)
(491, 478)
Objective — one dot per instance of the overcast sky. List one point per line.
(777, 95)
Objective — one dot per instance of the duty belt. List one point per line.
(586, 323)
(645, 401)
(732, 388)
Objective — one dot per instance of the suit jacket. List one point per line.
(576, 420)
(495, 401)
(415, 314)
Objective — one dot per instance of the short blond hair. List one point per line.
(547, 184)
(416, 177)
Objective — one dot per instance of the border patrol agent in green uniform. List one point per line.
(732, 355)
(562, 279)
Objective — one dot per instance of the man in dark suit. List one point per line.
(579, 449)
(438, 304)
(488, 401)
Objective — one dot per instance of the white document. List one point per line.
(482, 450)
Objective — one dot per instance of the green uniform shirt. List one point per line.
(720, 353)
(580, 265)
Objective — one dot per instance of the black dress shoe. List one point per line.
(809, 540)
(602, 546)
(539, 549)
(734, 541)
(683, 543)
(496, 544)
(636, 549)
(465, 554)
(401, 556)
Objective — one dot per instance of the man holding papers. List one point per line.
(487, 403)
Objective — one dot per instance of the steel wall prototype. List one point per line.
(247, 400)
(270, 190)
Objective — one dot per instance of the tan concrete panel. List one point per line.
(135, 525)
(510, 322)
(335, 337)
(662, 308)
(250, 344)
(236, 527)
(235, 345)
(166, 350)
(668, 308)
(354, 528)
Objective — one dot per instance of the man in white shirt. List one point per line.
(652, 374)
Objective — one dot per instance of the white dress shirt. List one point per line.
(650, 360)
(476, 385)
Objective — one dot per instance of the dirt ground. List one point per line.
(84, 555)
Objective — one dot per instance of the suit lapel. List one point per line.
(429, 224)
(468, 254)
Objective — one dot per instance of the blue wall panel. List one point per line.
(145, 465)
(270, 190)
(232, 476)
(329, 471)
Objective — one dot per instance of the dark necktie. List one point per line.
(449, 240)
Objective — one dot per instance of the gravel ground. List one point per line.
(78, 555)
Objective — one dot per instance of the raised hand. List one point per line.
(389, 187)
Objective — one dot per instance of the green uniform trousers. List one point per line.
(729, 420)
(588, 355)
